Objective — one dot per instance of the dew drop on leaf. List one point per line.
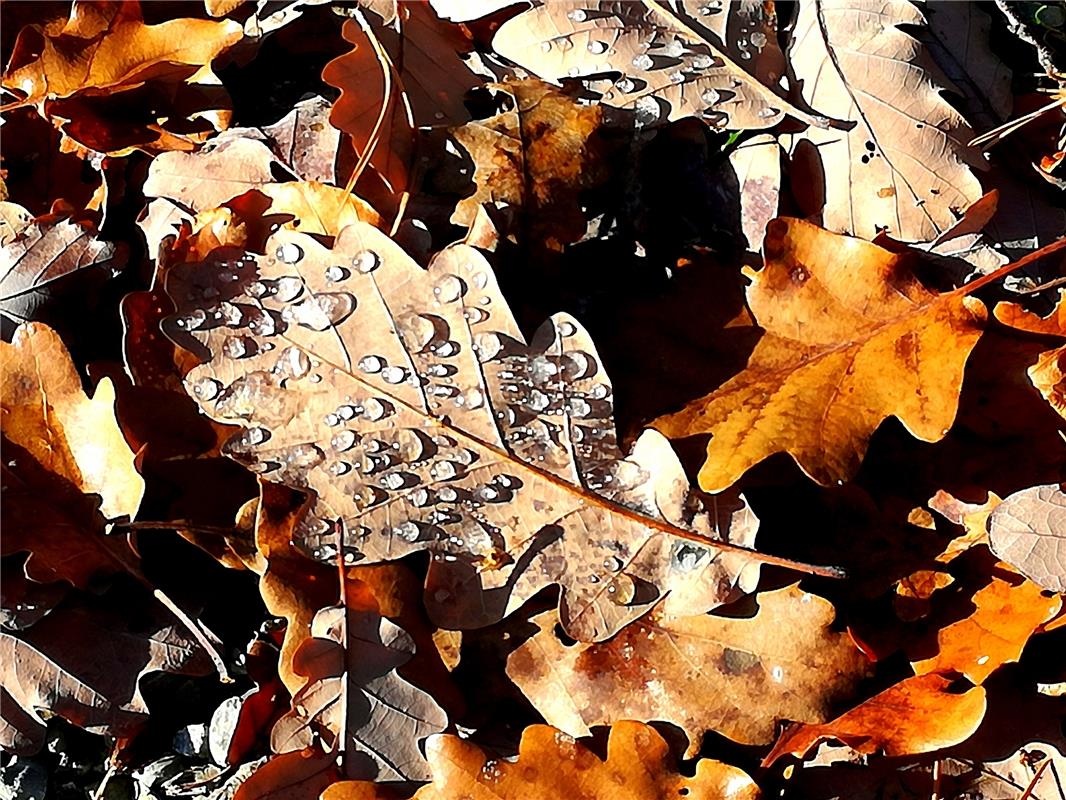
(366, 261)
(288, 253)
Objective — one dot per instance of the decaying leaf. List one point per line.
(905, 166)
(85, 665)
(757, 164)
(67, 470)
(1007, 612)
(667, 67)
(535, 158)
(1048, 374)
(917, 715)
(305, 141)
(409, 402)
(552, 766)
(734, 676)
(39, 257)
(107, 46)
(355, 703)
(1028, 531)
(852, 337)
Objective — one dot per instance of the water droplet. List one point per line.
(366, 261)
(537, 400)
(688, 556)
(777, 674)
(443, 470)
(263, 323)
(206, 389)
(643, 62)
(346, 412)
(257, 289)
(289, 253)
(488, 346)
(612, 563)
(710, 96)
(577, 15)
(542, 370)
(343, 440)
(293, 363)
(702, 61)
(256, 436)
(394, 481)
(578, 407)
(597, 48)
(231, 314)
(480, 280)
(449, 289)
(545, 47)
(192, 320)
(622, 590)
(566, 328)
(447, 349)
(600, 391)
(487, 494)
(473, 398)
(288, 288)
(766, 113)
(336, 273)
(625, 85)
(394, 375)
(448, 495)
(408, 531)
(371, 364)
(338, 468)
(593, 579)
(322, 311)
(677, 76)
(238, 346)
(374, 409)
(758, 39)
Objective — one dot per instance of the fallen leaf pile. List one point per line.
(557, 399)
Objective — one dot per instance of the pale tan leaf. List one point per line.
(305, 141)
(355, 703)
(735, 676)
(905, 166)
(757, 164)
(13, 219)
(668, 68)
(408, 400)
(208, 178)
(1028, 530)
(1048, 375)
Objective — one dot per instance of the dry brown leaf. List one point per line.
(973, 517)
(84, 663)
(305, 141)
(13, 220)
(917, 715)
(318, 208)
(905, 166)
(1007, 612)
(1028, 530)
(668, 68)
(107, 46)
(757, 164)
(409, 402)
(534, 159)
(67, 470)
(735, 676)
(1048, 374)
(44, 257)
(354, 703)
(553, 766)
(208, 178)
(852, 337)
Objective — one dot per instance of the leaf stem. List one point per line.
(1006, 269)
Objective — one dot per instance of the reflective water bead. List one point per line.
(192, 320)
(577, 15)
(288, 288)
(710, 96)
(447, 349)
(567, 328)
(758, 39)
(371, 364)
(393, 480)
(473, 398)
(366, 261)
(288, 253)
(443, 470)
(643, 62)
(489, 345)
(393, 374)
(238, 346)
(344, 440)
(537, 400)
(374, 409)
(336, 273)
(578, 406)
(322, 311)
(448, 495)
(542, 369)
(257, 289)
(475, 315)
(375, 446)
(622, 590)
(420, 497)
(256, 435)
(264, 324)
(486, 494)
(600, 391)
(677, 76)
(480, 280)
(332, 420)
(338, 468)
(687, 557)
(346, 412)
(206, 389)
(231, 314)
(766, 113)
(702, 61)
(612, 563)
(546, 47)
(408, 531)
(625, 85)
(646, 110)
(293, 363)
(449, 289)
(597, 48)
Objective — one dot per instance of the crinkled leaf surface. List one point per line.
(67, 469)
(408, 400)
(39, 258)
(107, 46)
(852, 337)
(905, 166)
(552, 766)
(355, 703)
(1028, 530)
(670, 66)
(734, 676)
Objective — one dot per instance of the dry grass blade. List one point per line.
(408, 400)
(668, 68)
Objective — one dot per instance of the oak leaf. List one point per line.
(68, 471)
(1048, 374)
(669, 65)
(917, 715)
(107, 47)
(905, 166)
(410, 403)
(852, 337)
(535, 158)
(84, 662)
(734, 676)
(553, 766)
(1028, 530)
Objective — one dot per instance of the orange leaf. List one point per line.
(108, 46)
(852, 337)
(917, 715)
(553, 766)
(1008, 611)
